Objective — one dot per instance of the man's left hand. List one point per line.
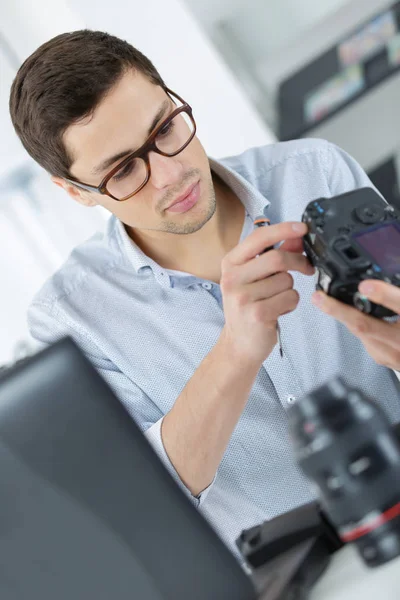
(380, 338)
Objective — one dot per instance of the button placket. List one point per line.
(284, 378)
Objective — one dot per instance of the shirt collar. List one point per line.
(253, 201)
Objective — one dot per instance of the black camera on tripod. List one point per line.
(352, 237)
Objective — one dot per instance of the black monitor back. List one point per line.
(87, 510)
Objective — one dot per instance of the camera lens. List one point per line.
(344, 444)
(362, 303)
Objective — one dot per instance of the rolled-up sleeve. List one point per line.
(47, 329)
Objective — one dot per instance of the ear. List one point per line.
(77, 194)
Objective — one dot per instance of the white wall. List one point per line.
(168, 34)
(11, 151)
(36, 232)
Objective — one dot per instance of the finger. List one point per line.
(266, 288)
(382, 353)
(273, 308)
(381, 293)
(274, 261)
(264, 237)
(293, 245)
(360, 324)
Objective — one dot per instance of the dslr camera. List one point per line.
(352, 237)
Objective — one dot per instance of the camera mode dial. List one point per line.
(370, 213)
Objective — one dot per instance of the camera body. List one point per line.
(352, 237)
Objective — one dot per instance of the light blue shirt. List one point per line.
(147, 329)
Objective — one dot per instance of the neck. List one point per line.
(199, 253)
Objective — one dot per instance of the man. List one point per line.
(176, 306)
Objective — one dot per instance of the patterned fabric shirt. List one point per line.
(147, 329)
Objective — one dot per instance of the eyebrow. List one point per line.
(112, 159)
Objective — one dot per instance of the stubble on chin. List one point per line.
(197, 222)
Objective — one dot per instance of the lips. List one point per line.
(183, 196)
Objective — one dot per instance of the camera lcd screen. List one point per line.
(383, 244)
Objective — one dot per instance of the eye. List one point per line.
(125, 170)
(166, 129)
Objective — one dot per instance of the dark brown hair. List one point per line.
(62, 82)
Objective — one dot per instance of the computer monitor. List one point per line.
(87, 510)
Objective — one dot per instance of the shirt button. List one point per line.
(291, 399)
(207, 286)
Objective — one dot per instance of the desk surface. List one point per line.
(348, 578)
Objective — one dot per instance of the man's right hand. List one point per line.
(256, 290)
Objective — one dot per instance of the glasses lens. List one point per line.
(170, 140)
(175, 134)
(128, 179)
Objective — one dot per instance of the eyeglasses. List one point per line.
(131, 175)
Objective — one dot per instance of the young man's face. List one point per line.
(121, 124)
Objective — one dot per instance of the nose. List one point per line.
(165, 170)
